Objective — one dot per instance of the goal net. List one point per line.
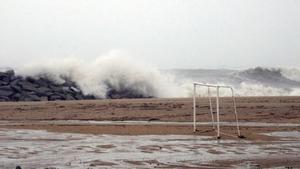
(217, 96)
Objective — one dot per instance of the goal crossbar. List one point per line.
(217, 87)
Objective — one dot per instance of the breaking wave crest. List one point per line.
(107, 77)
(276, 77)
(119, 77)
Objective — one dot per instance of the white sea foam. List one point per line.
(105, 73)
(114, 72)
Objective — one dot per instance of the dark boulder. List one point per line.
(16, 97)
(16, 87)
(89, 97)
(42, 91)
(43, 82)
(44, 98)
(5, 87)
(55, 96)
(4, 98)
(7, 76)
(78, 96)
(55, 88)
(3, 83)
(4, 78)
(30, 79)
(14, 84)
(31, 97)
(26, 85)
(69, 97)
(10, 73)
(74, 89)
(124, 93)
(6, 91)
(15, 81)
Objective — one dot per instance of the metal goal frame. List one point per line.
(217, 87)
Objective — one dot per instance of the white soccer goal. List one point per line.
(217, 87)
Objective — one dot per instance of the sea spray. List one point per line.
(124, 77)
(107, 76)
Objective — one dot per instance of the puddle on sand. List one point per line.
(41, 149)
(291, 134)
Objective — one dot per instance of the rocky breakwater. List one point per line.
(18, 88)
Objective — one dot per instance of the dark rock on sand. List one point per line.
(26, 85)
(124, 93)
(17, 88)
(3, 98)
(6, 91)
(56, 96)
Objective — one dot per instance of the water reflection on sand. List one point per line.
(41, 149)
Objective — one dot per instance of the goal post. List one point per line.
(217, 87)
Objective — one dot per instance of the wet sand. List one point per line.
(42, 149)
(253, 109)
(153, 118)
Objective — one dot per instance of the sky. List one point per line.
(232, 34)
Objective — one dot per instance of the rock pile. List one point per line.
(17, 88)
(124, 94)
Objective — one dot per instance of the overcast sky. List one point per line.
(164, 33)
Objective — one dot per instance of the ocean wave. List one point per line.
(276, 77)
(106, 77)
(120, 77)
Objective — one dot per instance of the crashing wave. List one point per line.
(119, 77)
(268, 76)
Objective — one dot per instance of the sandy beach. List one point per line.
(271, 127)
